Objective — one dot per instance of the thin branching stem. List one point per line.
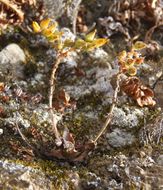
(110, 114)
(51, 92)
(22, 136)
(59, 58)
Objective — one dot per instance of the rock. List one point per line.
(93, 181)
(160, 160)
(11, 58)
(159, 92)
(119, 138)
(17, 118)
(54, 7)
(100, 83)
(152, 132)
(1, 131)
(101, 57)
(41, 115)
(17, 176)
(128, 117)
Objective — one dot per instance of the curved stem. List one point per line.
(110, 114)
(51, 92)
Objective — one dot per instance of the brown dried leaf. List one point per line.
(69, 151)
(64, 96)
(2, 86)
(63, 101)
(142, 94)
(75, 155)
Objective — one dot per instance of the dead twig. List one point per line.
(51, 92)
(22, 136)
(110, 114)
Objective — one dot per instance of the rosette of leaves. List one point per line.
(135, 89)
(130, 61)
(13, 11)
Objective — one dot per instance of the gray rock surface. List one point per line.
(159, 92)
(11, 58)
(128, 117)
(119, 138)
(17, 176)
(160, 160)
(54, 7)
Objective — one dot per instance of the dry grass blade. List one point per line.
(12, 11)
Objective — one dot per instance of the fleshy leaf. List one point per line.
(36, 27)
(60, 45)
(139, 60)
(130, 62)
(97, 43)
(53, 36)
(132, 71)
(79, 44)
(122, 55)
(139, 45)
(90, 37)
(53, 27)
(68, 43)
(45, 23)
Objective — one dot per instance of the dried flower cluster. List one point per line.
(129, 61)
(135, 89)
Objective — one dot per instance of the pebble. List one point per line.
(160, 160)
(1, 131)
(119, 138)
(11, 58)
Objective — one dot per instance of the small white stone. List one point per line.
(1, 131)
(11, 58)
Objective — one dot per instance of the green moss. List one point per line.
(80, 125)
(58, 174)
(93, 100)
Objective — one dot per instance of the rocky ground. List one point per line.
(128, 156)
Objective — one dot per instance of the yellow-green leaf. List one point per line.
(130, 62)
(79, 43)
(132, 70)
(45, 23)
(36, 27)
(100, 42)
(47, 33)
(54, 36)
(53, 27)
(90, 37)
(122, 55)
(68, 43)
(139, 45)
(60, 45)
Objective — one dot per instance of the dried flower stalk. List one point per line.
(110, 114)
